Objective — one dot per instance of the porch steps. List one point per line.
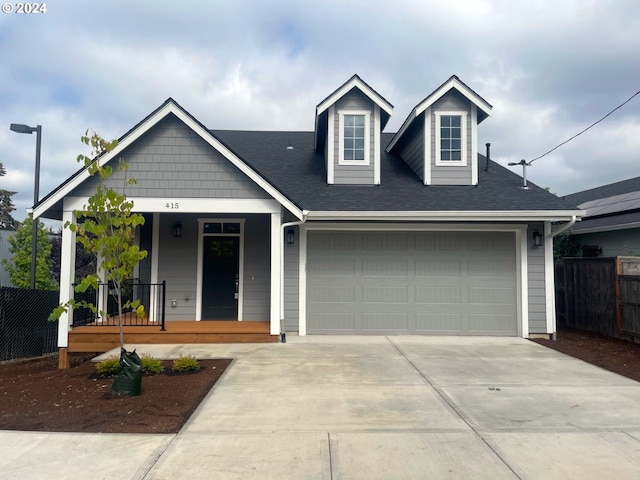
(102, 338)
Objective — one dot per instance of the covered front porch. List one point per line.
(102, 338)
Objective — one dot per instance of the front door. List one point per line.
(220, 277)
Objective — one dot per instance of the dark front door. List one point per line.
(220, 277)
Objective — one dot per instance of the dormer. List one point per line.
(348, 127)
(439, 138)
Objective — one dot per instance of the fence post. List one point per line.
(618, 298)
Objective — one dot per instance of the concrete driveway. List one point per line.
(371, 408)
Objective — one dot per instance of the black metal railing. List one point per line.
(151, 296)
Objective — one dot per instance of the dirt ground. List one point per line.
(35, 395)
(615, 355)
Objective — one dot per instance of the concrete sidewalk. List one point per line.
(332, 407)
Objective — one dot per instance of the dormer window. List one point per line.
(354, 137)
(451, 138)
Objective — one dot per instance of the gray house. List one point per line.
(611, 226)
(340, 230)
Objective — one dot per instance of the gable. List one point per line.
(171, 160)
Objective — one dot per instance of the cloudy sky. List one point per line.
(549, 68)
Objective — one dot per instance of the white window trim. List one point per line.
(463, 130)
(367, 137)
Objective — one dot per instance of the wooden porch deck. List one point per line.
(102, 338)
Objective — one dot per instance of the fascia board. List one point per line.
(373, 96)
(453, 83)
(610, 228)
(196, 127)
(470, 216)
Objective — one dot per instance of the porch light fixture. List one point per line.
(177, 229)
(290, 236)
(537, 239)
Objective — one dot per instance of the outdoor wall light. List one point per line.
(177, 229)
(290, 236)
(537, 239)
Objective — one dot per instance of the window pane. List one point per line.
(349, 120)
(348, 143)
(358, 120)
(455, 133)
(348, 154)
(231, 228)
(359, 155)
(359, 132)
(445, 133)
(445, 155)
(212, 227)
(359, 144)
(456, 144)
(455, 121)
(445, 121)
(445, 144)
(456, 155)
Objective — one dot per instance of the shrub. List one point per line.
(185, 364)
(108, 367)
(151, 365)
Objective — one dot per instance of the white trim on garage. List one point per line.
(520, 231)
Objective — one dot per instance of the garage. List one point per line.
(446, 283)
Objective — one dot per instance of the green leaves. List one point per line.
(106, 228)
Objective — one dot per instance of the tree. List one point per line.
(7, 222)
(19, 265)
(106, 229)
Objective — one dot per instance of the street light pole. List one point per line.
(20, 128)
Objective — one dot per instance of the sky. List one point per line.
(548, 68)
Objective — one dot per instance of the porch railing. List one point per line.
(151, 295)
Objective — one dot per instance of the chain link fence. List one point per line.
(25, 330)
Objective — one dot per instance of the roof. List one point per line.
(614, 206)
(300, 174)
(484, 107)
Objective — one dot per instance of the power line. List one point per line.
(590, 126)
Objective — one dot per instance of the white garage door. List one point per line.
(449, 283)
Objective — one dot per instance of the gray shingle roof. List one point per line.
(605, 191)
(300, 174)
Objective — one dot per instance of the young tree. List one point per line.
(19, 265)
(7, 222)
(106, 229)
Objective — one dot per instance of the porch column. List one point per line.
(67, 277)
(155, 241)
(276, 249)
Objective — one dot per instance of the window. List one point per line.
(354, 138)
(451, 142)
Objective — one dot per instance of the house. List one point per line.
(611, 226)
(345, 229)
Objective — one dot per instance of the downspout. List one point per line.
(561, 229)
(564, 227)
(283, 334)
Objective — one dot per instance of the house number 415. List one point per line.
(172, 206)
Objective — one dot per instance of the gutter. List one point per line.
(564, 227)
(284, 226)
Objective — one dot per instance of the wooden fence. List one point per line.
(599, 295)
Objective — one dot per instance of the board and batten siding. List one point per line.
(536, 282)
(453, 175)
(172, 161)
(353, 174)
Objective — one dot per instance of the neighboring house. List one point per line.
(340, 230)
(611, 226)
